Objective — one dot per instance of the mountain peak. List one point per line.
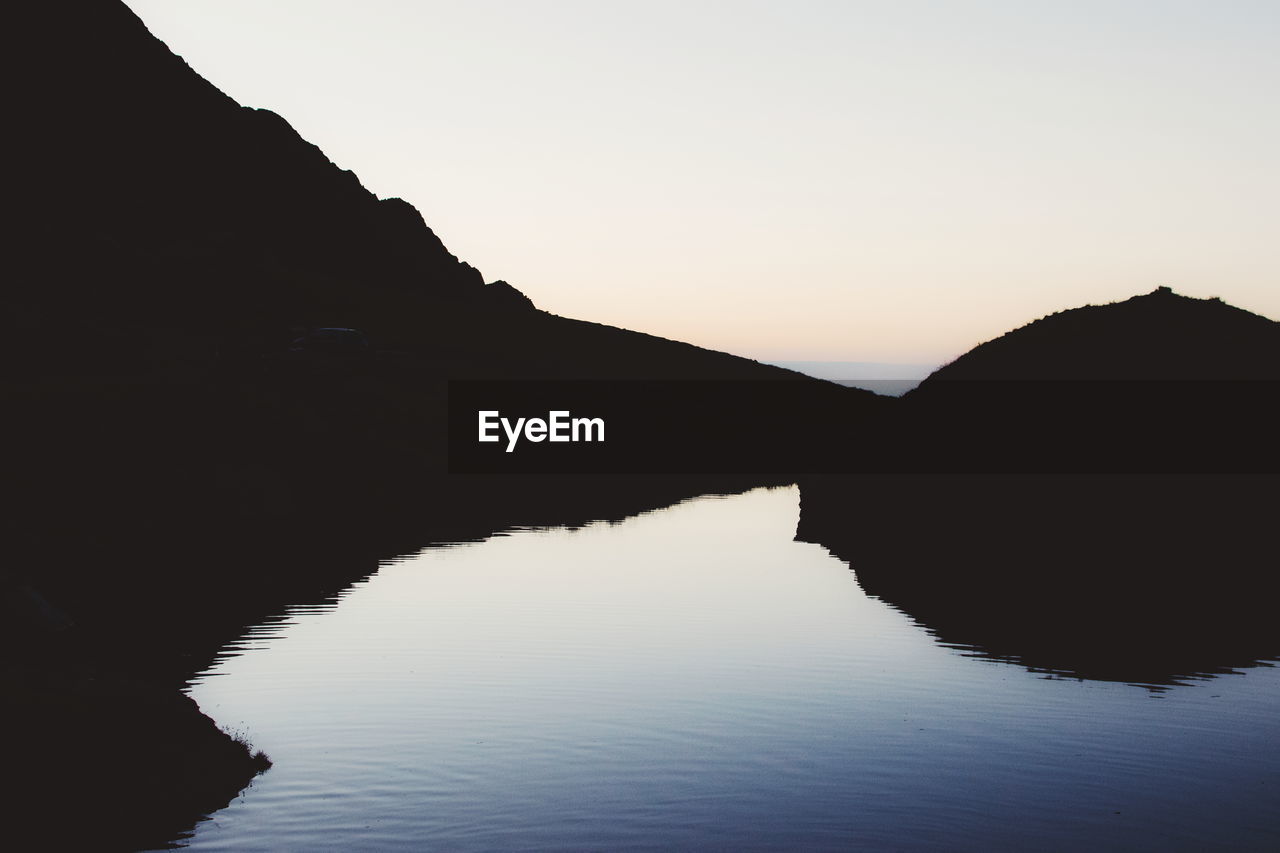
(1156, 335)
(152, 154)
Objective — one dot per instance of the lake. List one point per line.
(693, 678)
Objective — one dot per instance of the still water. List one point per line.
(695, 679)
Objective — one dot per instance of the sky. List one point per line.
(861, 181)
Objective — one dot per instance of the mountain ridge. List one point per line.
(163, 217)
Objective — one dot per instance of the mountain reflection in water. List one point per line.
(1137, 578)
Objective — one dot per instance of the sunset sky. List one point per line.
(886, 181)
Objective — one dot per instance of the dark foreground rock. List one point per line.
(104, 763)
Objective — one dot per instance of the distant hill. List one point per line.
(1153, 384)
(1159, 335)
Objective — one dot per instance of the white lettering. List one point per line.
(559, 426)
(488, 421)
(587, 424)
(512, 434)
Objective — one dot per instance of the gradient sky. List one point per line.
(858, 181)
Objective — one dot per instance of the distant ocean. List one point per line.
(888, 378)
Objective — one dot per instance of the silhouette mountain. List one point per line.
(164, 224)
(1157, 336)
(1090, 495)
(1154, 384)
(146, 156)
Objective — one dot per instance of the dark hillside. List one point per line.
(1154, 384)
(173, 475)
(165, 227)
(1161, 335)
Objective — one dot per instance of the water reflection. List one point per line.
(695, 678)
(1154, 580)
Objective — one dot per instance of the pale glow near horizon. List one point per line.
(850, 181)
